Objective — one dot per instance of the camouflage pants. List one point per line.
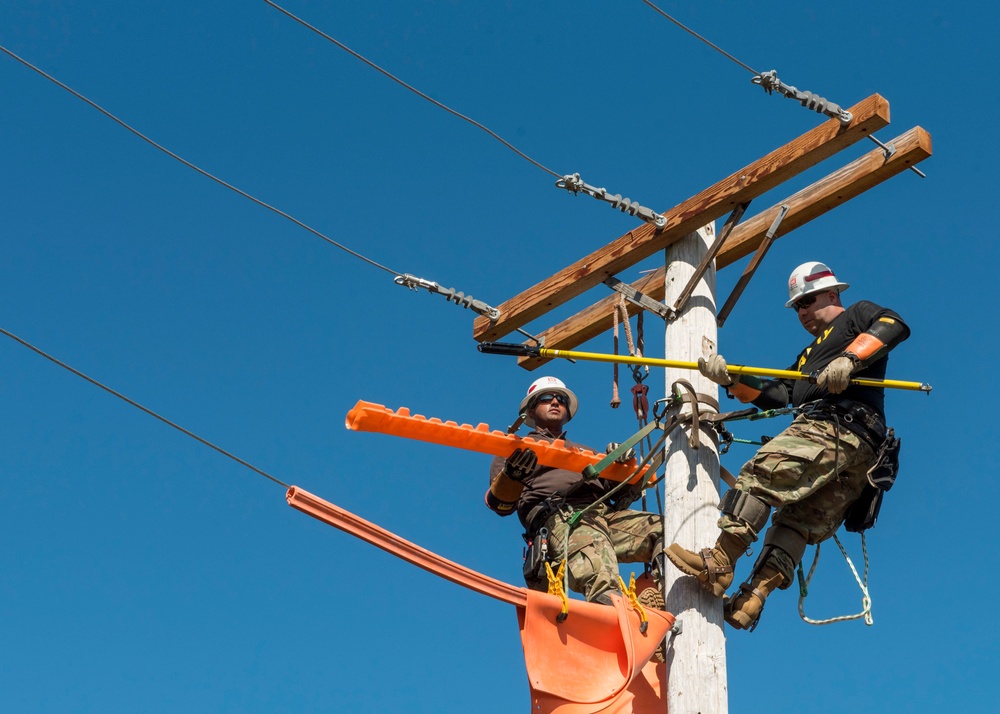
(811, 473)
(601, 539)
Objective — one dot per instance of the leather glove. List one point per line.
(624, 458)
(837, 375)
(520, 464)
(626, 497)
(714, 368)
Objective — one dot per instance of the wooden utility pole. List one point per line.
(696, 660)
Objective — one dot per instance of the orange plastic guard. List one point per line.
(597, 660)
(366, 416)
(391, 543)
(594, 661)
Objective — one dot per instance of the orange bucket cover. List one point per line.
(594, 661)
(366, 416)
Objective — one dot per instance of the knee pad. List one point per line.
(745, 508)
(785, 539)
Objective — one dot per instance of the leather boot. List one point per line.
(743, 610)
(712, 566)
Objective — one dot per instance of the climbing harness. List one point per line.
(524, 350)
(536, 554)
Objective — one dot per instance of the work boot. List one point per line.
(712, 566)
(743, 610)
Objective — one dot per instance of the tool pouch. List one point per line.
(881, 476)
(864, 512)
(883, 472)
(535, 556)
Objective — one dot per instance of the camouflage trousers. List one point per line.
(599, 541)
(810, 473)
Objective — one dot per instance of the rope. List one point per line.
(190, 165)
(620, 308)
(866, 600)
(136, 404)
(416, 91)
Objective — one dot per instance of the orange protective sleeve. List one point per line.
(744, 392)
(864, 346)
(366, 416)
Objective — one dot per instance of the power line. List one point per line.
(187, 163)
(770, 82)
(416, 91)
(136, 404)
(695, 34)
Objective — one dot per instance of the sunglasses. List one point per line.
(546, 398)
(805, 302)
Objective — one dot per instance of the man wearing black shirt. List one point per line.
(544, 498)
(815, 469)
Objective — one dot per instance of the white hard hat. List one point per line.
(811, 278)
(545, 385)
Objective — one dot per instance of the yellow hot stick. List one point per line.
(733, 368)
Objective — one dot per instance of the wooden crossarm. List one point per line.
(759, 177)
(829, 192)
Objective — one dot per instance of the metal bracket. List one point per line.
(731, 222)
(762, 249)
(889, 149)
(638, 298)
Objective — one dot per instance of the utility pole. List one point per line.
(696, 659)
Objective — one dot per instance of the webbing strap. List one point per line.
(594, 470)
(745, 507)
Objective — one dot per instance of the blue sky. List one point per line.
(141, 571)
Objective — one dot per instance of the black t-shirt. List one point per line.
(547, 481)
(827, 346)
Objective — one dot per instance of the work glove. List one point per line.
(520, 464)
(626, 497)
(714, 368)
(624, 458)
(837, 375)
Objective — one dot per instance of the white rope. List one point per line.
(866, 600)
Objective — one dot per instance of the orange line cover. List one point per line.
(391, 543)
(597, 660)
(366, 416)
